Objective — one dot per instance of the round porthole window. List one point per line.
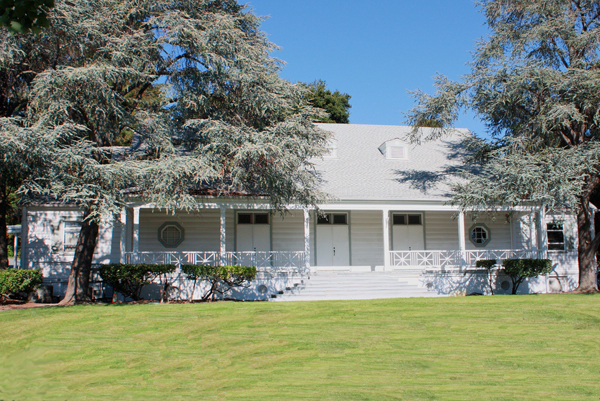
(479, 235)
(171, 234)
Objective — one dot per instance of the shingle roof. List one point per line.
(362, 172)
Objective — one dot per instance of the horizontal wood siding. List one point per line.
(201, 230)
(521, 231)
(287, 233)
(441, 231)
(43, 246)
(499, 232)
(229, 229)
(366, 233)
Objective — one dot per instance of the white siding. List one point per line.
(288, 232)
(521, 231)
(43, 246)
(229, 229)
(201, 230)
(499, 231)
(441, 231)
(366, 234)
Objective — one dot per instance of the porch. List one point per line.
(340, 237)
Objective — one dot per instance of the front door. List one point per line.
(333, 247)
(253, 234)
(407, 232)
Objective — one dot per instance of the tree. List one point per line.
(223, 119)
(336, 104)
(535, 82)
(25, 15)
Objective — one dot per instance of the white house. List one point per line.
(388, 230)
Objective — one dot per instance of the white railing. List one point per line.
(455, 259)
(262, 260)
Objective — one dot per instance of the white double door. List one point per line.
(333, 246)
(407, 238)
(253, 238)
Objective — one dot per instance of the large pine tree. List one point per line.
(535, 81)
(195, 84)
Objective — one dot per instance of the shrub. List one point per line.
(488, 264)
(14, 281)
(130, 279)
(520, 269)
(220, 278)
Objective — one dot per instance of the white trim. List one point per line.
(307, 238)
(122, 239)
(543, 234)
(462, 245)
(386, 239)
(533, 232)
(223, 230)
(24, 237)
(136, 229)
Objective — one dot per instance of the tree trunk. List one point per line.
(79, 278)
(586, 249)
(3, 235)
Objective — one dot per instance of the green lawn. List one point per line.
(501, 347)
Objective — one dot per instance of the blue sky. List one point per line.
(374, 51)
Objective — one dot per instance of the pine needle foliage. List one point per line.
(191, 85)
(535, 82)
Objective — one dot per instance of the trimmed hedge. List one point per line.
(220, 278)
(130, 279)
(520, 269)
(14, 281)
(487, 263)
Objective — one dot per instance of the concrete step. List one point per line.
(340, 285)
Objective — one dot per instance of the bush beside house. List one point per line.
(21, 282)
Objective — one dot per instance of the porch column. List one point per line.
(533, 237)
(136, 232)
(223, 234)
(122, 243)
(307, 239)
(386, 239)
(543, 235)
(462, 246)
(24, 238)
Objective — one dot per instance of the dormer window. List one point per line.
(394, 149)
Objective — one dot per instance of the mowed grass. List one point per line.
(501, 347)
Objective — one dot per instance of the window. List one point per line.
(479, 235)
(171, 234)
(253, 218)
(556, 237)
(71, 231)
(404, 219)
(333, 218)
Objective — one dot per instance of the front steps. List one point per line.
(347, 285)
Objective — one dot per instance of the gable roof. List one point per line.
(361, 172)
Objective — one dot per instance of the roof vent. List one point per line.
(394, 149)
